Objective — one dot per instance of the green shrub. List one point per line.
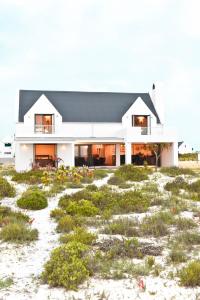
(6, 189)
(80, 235)
(8, 216)
(57, 213)
(177, 255)
(133, 201)
(150, 187)
(132, 173)
(74, 185)
(83, 208)
(154, 225)
(175, 204)
(195, 186)
(33, 199)
(190, 275)
(188, 238)
(177, 184)
(67, 266)
(55, 189)
(30, 177)
(65, 224)
(185, 223)
(121, 226)
(188, 156)
(99, 173)
(175, 171)
(16, 232)
(117, 248)
(107, 199)
(116, 180)
(150, 261)
(5, 283)
(125, 185)
(86, 180)
(92, 188)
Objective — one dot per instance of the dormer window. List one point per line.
(44, 124)
(141, 121)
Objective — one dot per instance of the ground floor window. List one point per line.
(142, 153)
(45, 154)
(95, 155)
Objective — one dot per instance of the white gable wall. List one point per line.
(138, 108)
(42, 106)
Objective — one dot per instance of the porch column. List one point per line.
(66, 153)
(117, 155)
(23, 156)
(128, 153)
(175, 154)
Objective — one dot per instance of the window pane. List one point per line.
(38, 119)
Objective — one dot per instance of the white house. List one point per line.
(91, 128)
(185, 148)
(7, 148)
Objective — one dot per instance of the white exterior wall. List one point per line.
(117, 155)
(66, 153)
(169, 156)
(23, 157)
(128, 153)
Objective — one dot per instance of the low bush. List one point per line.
(156, 225)
(6, 189)
(177, 255)
(133, 173)
(117, 248)
(185, 223)
(91, 188)
(74, 185)
(188, 238)
(67, 266)
(55, 189)
(66, 224)
(107, 199)
(133, 201)
(190, 275)
(195, 186)
(150, 187)
(99, 173)
(177, 184)
(188, 156)
(80, 235)
(57, 213)
(175, 171)
(175, 204)
(30, 177)
(33, 199)
(5, 283)
(124, 227)
(18, 232)
(8, 216)
(150, 261)
(116, 180)
(83, 208)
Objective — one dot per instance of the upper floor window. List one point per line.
(141, 121)
(44, 123)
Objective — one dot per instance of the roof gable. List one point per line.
(85, 106)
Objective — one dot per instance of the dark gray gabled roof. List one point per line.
(85, 106)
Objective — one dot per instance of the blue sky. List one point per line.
(103, 45)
